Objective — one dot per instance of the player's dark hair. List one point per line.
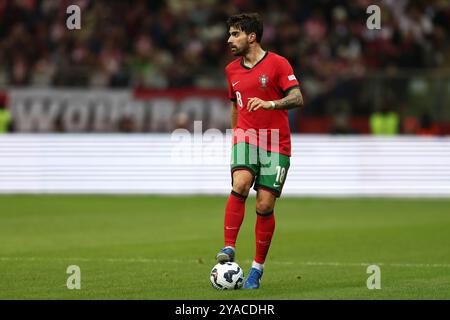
(247, 22)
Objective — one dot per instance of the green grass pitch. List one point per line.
(155, 247)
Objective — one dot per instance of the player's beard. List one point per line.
(240, 52)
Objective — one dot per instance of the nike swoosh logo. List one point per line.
(231, 228)
(233, 84)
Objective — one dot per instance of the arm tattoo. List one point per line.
(293, 100)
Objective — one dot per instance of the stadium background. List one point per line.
(347, 71)
(91, 111)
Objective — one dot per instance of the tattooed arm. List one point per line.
(294, 99)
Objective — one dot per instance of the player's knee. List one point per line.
(264, 207)
(241, 186)
(242, 181)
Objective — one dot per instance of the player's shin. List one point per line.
(234, 215)
(264, 229)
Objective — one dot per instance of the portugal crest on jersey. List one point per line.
(263, 80)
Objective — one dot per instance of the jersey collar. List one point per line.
(248, 68)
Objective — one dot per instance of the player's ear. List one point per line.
(251, 37)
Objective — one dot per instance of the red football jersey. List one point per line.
(270, 79)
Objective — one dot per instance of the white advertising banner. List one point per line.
(199, 164)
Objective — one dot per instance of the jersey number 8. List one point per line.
(239, 99)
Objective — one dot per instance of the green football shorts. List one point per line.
(269, 169)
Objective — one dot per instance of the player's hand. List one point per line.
(254, 104)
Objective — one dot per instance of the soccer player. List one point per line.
(262, 87)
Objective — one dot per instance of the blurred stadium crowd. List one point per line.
(344, 67)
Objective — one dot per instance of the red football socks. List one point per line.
(234, 215)
(265, 226)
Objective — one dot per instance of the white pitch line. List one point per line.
(306, 263)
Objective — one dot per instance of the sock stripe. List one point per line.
(240, 196)
(264, 214)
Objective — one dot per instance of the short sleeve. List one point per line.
(286, 76)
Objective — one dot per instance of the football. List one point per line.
(227, 276)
